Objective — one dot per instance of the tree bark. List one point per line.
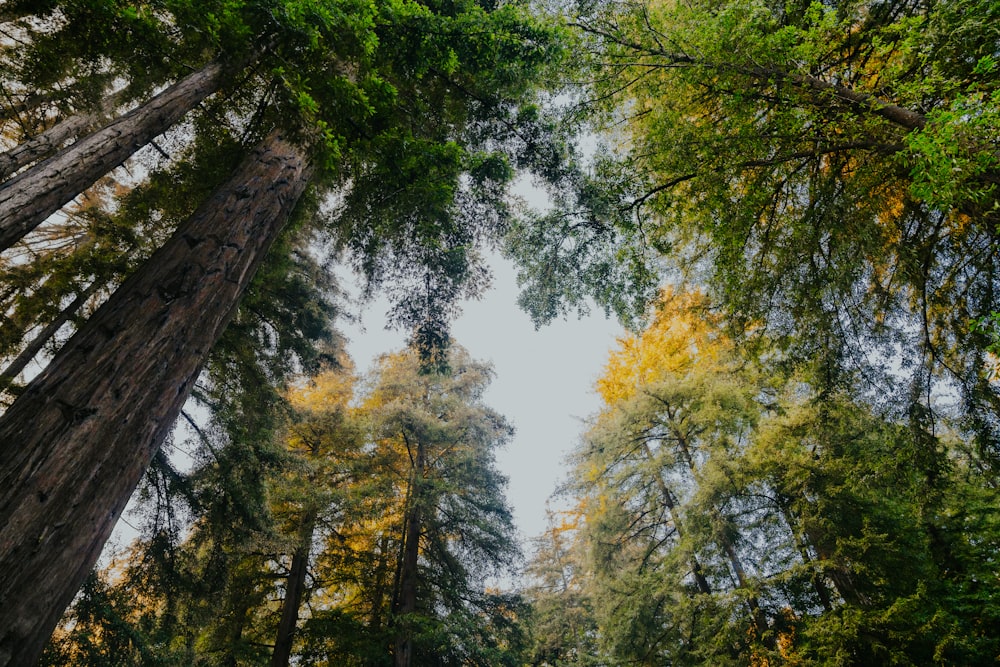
(34, 195)
(76, 442)
(294, 589)
(51, 139)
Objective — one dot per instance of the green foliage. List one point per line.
(731, 513)
(205, 582)
(827, 173)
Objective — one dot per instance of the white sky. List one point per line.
(543, 385)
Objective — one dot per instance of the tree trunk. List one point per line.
(759, 617)
(51, 139)
(294, 589)
(30, 103)
(802, 547)
(76, 442)
(35, 346)
(406, 599)
(671, 503)
(34, 195)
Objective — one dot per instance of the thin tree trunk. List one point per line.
(407, 597)
(759, 617)
(838, 574)
(34, 195)
(12, 110)
(668, 498)
(76, 442)
(50, 140)
(294, 589)
(35, 346)
(803, 548)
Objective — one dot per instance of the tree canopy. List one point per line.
(793, 206)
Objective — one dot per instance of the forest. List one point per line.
(791, 207)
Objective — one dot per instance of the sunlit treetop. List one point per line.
(683, 334)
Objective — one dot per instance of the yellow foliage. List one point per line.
(683, 333)
(330, 389)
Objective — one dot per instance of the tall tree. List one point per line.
(738, 514)
(412, 85)
(438, 439)
(822, 169)
(54, 494)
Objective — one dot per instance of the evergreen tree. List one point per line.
(824, 170)
(736, 514)
(414, 86)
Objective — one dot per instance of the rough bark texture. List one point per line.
(34, 195)
(295, 587)
(50, 140)
(74, 445)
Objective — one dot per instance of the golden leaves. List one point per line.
(683, 333)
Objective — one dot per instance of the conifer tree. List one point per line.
(367, 91)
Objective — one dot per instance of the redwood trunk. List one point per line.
(294, 589)
(74, 445)
(50, 140)
(34, 195)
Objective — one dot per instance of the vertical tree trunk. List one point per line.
(406, 599)
(759, 617)
(294, 589)
(74, 445)
(802, 547)
(34, 195)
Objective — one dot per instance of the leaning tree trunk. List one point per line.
(34, 195)
(295, 586)
(49, 141)
(44, 144)
(30, 103)
(76, 442)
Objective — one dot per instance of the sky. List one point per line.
(544, 383)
